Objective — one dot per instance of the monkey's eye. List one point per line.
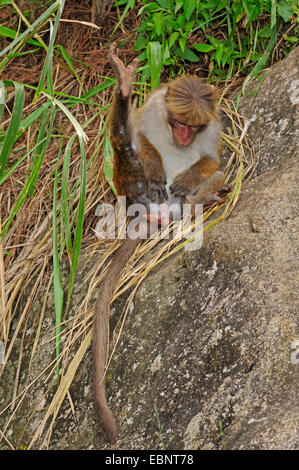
(201, 127)
(173, 122)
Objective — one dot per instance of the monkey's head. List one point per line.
(191, 105)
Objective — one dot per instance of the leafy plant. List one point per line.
(244, 32)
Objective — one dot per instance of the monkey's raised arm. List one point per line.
(135, 171)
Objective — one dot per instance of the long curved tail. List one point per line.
(100, 338)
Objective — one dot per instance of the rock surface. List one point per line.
(206, 358)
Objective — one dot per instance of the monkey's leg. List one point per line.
(207, 189)
(199, 180)
(128, 175)
(125, 75)
(154, 172)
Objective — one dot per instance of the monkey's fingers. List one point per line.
(134, 64)
(223, 190)
(114, 60)
(156, 191)
(177, 189)
(118, 64)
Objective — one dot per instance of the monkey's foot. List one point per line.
(223, 191)
(124, 74)
(218, 195)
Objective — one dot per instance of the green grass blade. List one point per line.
(99, 88)
(13, 125)
(261, 64)
(77, 126)
(47, 68)
(26, 35)
(41, 137)
(58, 291)
(69, 63)
(2, 97)
(11, 33)
(15, 165)
(130, 4)
(64, 194)
(34, 116)
(80, 219)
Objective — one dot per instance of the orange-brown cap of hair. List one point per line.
(191, 101)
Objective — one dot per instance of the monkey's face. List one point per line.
(183, 135)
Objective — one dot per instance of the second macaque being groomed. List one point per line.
(168, 151)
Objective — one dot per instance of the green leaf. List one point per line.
(181, 21)
(99, 88)
(178, 6)
(284, 10)
(108, 157)
(219, 53)
(260, 65)
(33, 28)
(140, 43)
(182, 43)
(154, 55)
(291, 39)
(189, 7)
(273, 13)
(129, 4)
(47, 68)
(166, 54)
(187, 54)
(17, 163)
(69, 62)
(265, 32)
(173, 39)
(163, 3)
(158, 22)
(203, 47)
(188, 27)
(11, 33)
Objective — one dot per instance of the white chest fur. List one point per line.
(153, 123)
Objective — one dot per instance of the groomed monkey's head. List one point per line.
(191, 105)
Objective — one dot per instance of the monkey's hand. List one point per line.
(125, 75)
(178, 190)
(156, 191)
